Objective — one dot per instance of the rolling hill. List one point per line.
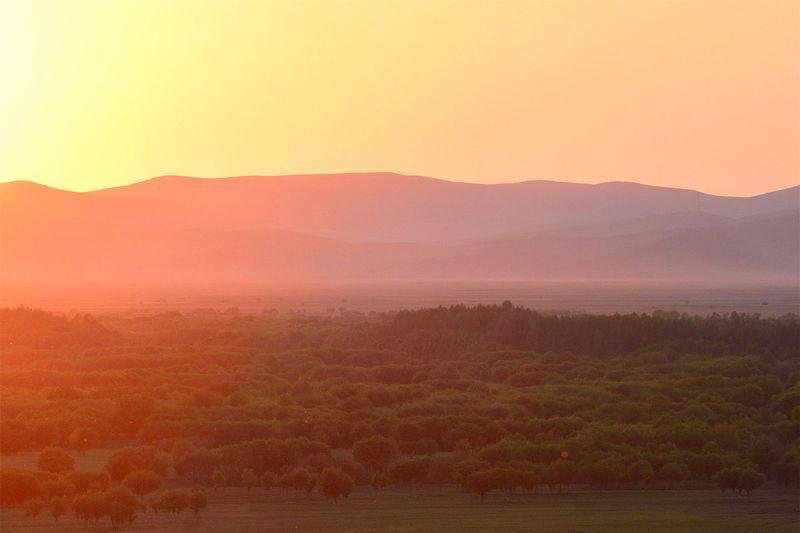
(388, 226)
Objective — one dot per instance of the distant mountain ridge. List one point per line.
(383, 225)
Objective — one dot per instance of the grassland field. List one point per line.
(447, 508)
(443, 508)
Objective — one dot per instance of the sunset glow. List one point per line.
(399, 265)
(685, 94)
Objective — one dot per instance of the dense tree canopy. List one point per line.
(489, 397)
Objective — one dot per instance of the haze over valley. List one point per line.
(382, 226)
(399, 266)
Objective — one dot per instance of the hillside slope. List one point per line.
(379, 226)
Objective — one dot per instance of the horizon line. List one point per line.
(564, 181)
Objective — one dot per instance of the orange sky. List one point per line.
(688, 94)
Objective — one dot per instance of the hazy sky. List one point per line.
(679, 93)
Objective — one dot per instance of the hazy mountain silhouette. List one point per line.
(379, 226)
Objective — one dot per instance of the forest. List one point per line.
(492, 398)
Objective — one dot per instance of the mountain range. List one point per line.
(381, 226)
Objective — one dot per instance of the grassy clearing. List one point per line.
(448, 509)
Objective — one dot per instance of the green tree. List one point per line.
(91, 506)
(764, 452)
(86, 480)
(749, 480)
(174, 501)
(142, 482)
(58, 507)
(726, 479)
(121, 505)
(121, 513)
(84, 438)
(787, 470)
(299, 479)
(218, 479)
(55, 460)
(17, 487)
(57, 487)
(640, 472)
(335, 483)
(197, 500)
(269, 480)
(481, 482)
(33, 507)
(129, 413)
(375, 452)
(413, 470)
(741, 480)
(674, 474)
(249, 478)
(127, 460)
(379, 482)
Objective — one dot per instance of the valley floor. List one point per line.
(321, 298)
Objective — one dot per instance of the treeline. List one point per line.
(490, 398)
(458, 328)
(434, 332)
(40, 329)
(90, 496)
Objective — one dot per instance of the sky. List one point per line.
(702, 95)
